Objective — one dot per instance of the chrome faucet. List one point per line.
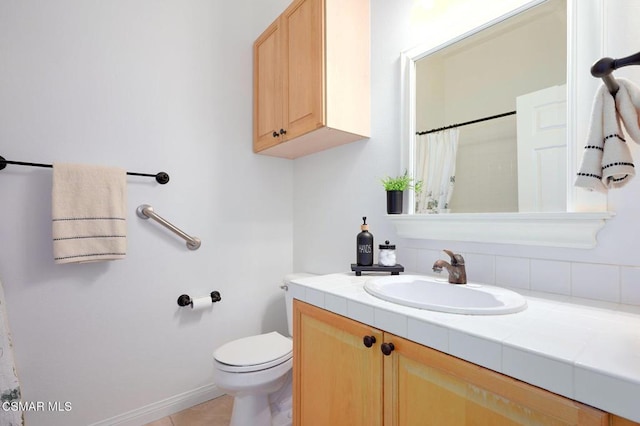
(457, 273)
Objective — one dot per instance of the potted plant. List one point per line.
(395, 187)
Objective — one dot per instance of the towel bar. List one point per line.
(145, 211)
(161, 177)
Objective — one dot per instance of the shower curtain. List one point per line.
(10, 415)
(436, 168)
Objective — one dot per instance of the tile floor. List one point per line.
(216, 412)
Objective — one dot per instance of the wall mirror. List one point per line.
(519, 73)
(499, 81)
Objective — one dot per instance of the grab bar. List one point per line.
(145, 211)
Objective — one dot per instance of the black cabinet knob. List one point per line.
(275, 134)
(283, 132)
(369, 340)
(387, 348)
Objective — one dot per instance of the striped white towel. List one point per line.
(607, 162)
(89, 206)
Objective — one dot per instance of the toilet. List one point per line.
(257, 372)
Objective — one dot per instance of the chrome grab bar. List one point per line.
(145, 211)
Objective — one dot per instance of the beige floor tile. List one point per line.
(216, 412)
(162, 422)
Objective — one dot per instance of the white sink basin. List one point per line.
(424, 292)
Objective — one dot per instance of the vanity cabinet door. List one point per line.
(427, 387)
(337, 380)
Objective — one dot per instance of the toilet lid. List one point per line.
(255, 351)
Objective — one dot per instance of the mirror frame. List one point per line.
(586, 211)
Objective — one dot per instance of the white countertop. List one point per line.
(585, 350)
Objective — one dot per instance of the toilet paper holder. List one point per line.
(186, 300)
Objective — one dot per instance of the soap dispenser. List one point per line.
(364, 245)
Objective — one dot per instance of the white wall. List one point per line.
(333, 189)
(487, 168)
(147, 86)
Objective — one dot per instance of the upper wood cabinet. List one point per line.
(311, 78)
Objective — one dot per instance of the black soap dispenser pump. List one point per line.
(364, 245)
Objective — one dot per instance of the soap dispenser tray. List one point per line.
(393, 270)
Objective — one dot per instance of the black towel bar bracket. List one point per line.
(605, 66)
(161, 177)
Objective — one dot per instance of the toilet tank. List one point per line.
(288, 298)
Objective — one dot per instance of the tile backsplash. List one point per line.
(602, 282)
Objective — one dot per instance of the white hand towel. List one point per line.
(89, 213)
(607, 161)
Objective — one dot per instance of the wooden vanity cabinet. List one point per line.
(337, 380)
(428, 387)
(311, 81)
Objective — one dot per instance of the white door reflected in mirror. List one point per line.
(542, 150)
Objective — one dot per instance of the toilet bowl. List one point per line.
(250, 369)
(256, 371)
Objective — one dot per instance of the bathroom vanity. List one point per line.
(362, 360)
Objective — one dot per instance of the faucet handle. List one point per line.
(456, 259)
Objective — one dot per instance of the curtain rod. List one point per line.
(161, 177)
(466, 123)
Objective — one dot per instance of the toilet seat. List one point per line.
(254, 353)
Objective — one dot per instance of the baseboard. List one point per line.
(157, 410)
